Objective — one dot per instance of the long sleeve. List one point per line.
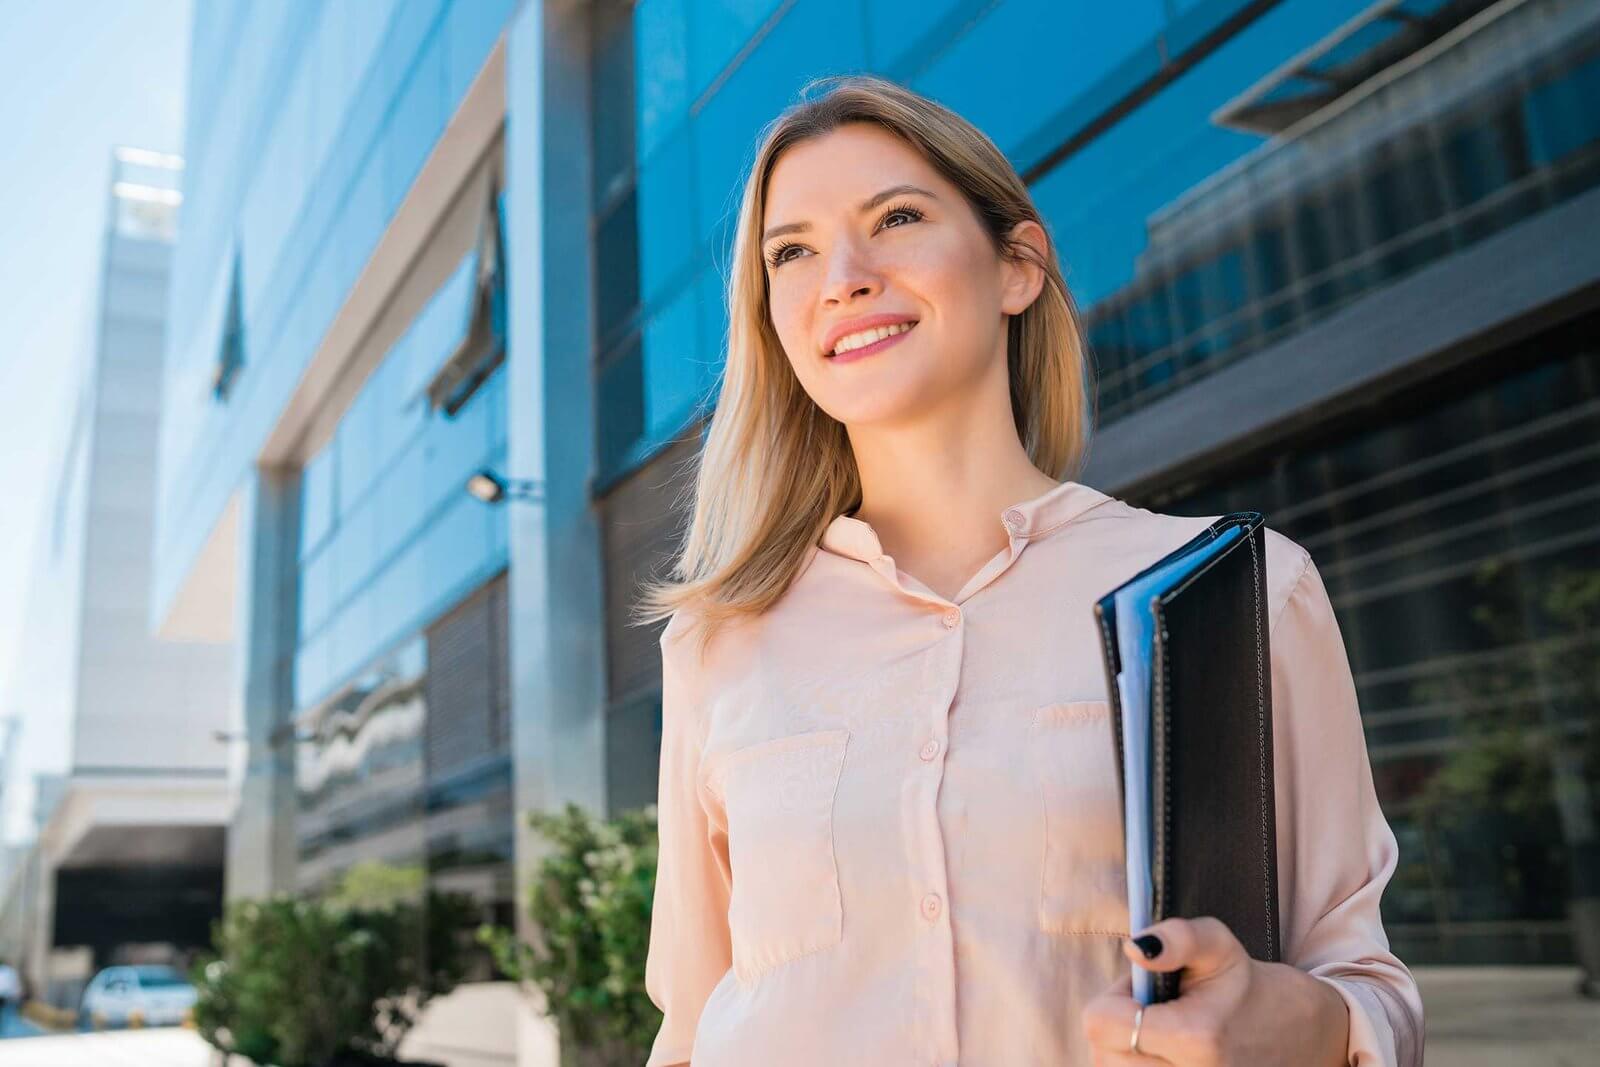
(1336, 852)
(689, 950)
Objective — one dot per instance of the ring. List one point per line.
(1138, 1021)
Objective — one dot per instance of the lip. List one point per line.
(873, 348)
(864, 322)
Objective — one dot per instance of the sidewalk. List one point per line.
(165, 1047)
(1493, 1016)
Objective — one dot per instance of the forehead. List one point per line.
(840, 169)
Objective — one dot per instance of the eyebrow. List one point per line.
(865, 206)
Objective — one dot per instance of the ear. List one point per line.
(1024, 278)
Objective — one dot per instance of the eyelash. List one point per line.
(775, 262)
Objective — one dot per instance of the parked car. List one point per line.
(10, 987)
(148, 995)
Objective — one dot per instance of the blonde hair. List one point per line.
(775, 469)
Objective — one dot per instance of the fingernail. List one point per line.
(1150, 945)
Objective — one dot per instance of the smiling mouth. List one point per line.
(909, 325)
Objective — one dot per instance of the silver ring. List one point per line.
(1138, 1021)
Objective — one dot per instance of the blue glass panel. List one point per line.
(415, 123)
(1561, 114)
(828, 34)
(355, 550)
(667, 230)
(1029, 34)
(456, 547)
(316, 500)
(403, 498)
(316, 592)
(896, 33)
(620, 406)
(613, 97)
(717, 30)
(312, 670)
(671, 365)
(470, 31)
(661, 71)
(1104, 196)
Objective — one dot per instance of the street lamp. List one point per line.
(491, 488)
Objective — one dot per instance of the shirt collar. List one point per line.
(1052, 509)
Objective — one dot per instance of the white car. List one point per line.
(148, 995)
(10, 985)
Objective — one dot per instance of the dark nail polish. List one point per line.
(1150, 945)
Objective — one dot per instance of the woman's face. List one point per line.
(918, 254)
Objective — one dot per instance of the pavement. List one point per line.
(1500, 1016)
(156, 1047)
(1476, 1017)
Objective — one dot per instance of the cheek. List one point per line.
(786, 320)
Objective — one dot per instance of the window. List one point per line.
(483, 344)
(230, 356)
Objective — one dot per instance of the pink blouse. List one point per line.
(889, 826)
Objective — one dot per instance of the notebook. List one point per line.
(1188, 671)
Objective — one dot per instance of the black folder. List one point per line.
(1209, 786)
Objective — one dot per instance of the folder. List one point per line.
(1189, 674)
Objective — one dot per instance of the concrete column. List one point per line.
(261, 842)
(556, 602)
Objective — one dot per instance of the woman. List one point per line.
(888, 817)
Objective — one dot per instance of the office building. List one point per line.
(1329, 253)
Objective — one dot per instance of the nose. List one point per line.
(849, 272)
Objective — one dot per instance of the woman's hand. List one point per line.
(1231, 1010)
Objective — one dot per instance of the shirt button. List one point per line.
(1014, 518)
(931, 749)
(930, 905)
(951, 617)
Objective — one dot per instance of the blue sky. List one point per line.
(75, 79)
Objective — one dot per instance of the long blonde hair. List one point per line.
(775, 469)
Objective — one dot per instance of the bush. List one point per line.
(590, 905)
(303, 983)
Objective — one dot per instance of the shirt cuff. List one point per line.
(1369, 1022)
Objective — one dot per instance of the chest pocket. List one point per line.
(1084, 884)
(779, 795)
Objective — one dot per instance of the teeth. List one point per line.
(867, 337)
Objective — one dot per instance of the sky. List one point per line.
(75, 80)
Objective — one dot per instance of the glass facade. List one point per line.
(1219, 177)
(407, 771)
(308, 123)
(1489, 130)
(1458, 532)
(388, 536)
(403, 779)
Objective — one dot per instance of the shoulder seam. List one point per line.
(1272, 627)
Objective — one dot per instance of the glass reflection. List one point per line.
(1457, 535)
(1450, 137)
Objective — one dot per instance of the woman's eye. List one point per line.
(910, 212)
(776, 258)
(778, 255)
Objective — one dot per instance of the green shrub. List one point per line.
(590, 905)
(299, 982)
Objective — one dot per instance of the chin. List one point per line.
(883, 403)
